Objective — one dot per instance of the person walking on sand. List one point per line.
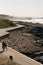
(4, 45)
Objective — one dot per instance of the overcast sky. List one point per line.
(22, 7)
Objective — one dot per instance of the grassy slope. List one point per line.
(4, 23)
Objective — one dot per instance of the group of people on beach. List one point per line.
(4, 45)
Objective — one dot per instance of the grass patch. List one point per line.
(4, 23)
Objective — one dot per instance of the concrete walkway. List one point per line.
(18, 57)
(4, 31)
(1, 48)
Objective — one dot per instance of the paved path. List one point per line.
(19, 58)
(1, 47)
(4, 31)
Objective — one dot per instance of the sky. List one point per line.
(21, 8)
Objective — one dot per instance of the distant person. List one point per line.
(4, 45)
